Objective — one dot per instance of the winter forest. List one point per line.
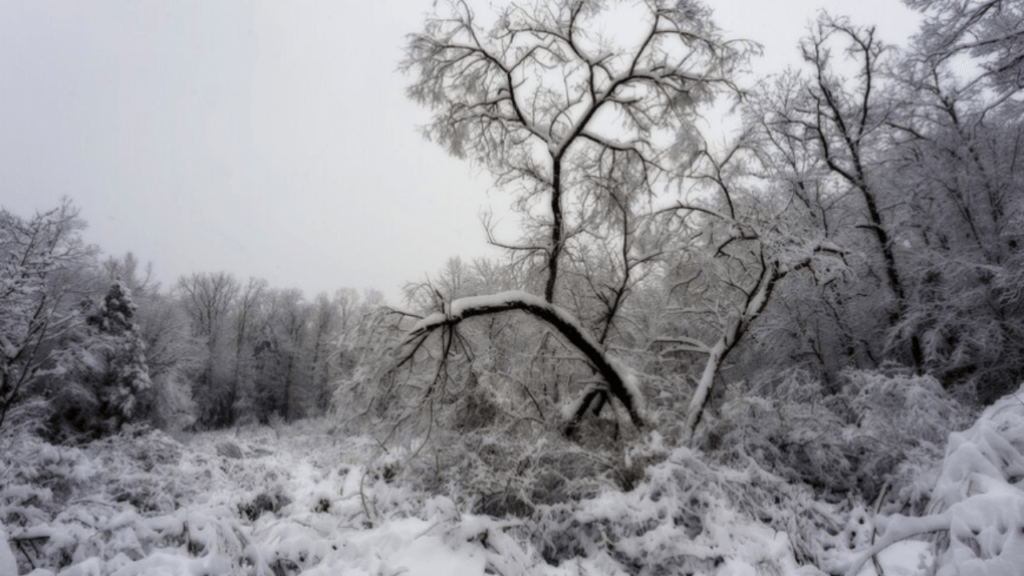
(790, 344)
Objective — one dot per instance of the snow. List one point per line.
(459, 307)
(978, 499)
(169, 564)
(907, 558)
(8, 565)
(333, 513)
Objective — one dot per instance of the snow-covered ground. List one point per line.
(306, 499)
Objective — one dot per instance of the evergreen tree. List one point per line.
(126, 375)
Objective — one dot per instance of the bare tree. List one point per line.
(956, 153)
(846, 119)
(126, 269)
(737, 240)
(325, 325)
(544, 102)
(831, 323)
(245, 313)
(989, 33)
(208, 299)
(583, 128)
(40, 261)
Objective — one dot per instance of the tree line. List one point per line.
(90, 344)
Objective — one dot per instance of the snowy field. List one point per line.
(307, 499)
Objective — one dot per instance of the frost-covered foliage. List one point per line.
(142, 503)
(686, 516)
(294, 502)
(978, 502)
(307, 499)
(880, 435)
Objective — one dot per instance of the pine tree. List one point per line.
(126, 376)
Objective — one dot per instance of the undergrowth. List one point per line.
(492, 492)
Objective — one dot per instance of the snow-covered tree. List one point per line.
(245, 328)
(834, 128)
(208, 299)
(103, 379)
(127, 373)
(584, 129)
(981, 38)
(736, 236)
(324, 328)
(282, 357)
(956, 150)
(173, 355)
(561, 113)
(40, 263)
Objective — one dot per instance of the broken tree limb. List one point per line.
(620, 383)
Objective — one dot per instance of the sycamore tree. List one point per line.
(582, 127)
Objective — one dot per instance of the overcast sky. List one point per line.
(268, 138)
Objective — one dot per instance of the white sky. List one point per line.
(266, 138)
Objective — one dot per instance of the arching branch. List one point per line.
(620, 384)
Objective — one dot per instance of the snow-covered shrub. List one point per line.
(977, 505)
(506, 477)
(271, 501)
(688, 516)
(881, 434)
(561, 505)
(8, 565)
(115, 500)
(38, 481)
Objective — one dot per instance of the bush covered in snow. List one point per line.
(303, 499)
(306, 498)
(879, 435)
(977, 506)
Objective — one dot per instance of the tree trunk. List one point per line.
(757, 301)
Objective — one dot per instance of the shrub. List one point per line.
(878, 436)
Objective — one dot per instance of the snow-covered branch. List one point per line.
(620, 383)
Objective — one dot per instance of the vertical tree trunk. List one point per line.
(556, 229)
